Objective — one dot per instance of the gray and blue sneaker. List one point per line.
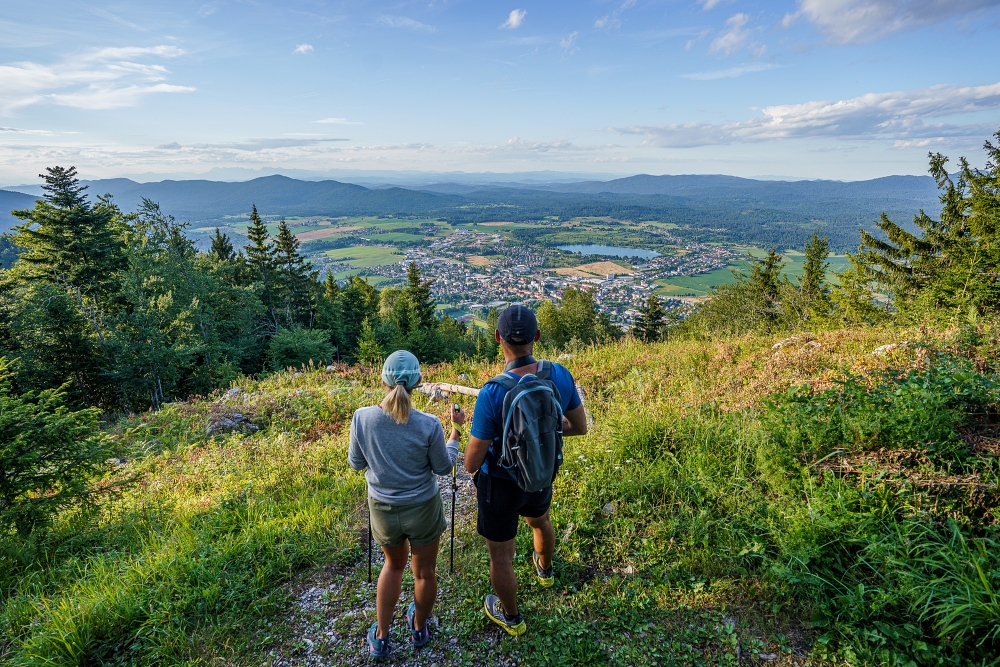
(421, 636)
(546, 578)
(378, 649)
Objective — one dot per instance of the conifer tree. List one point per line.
(369, 351)
(48, 455)
(69, 242)
(222, 247)
(260, 258)
(297, 278)
(421, 301)
(650, 324)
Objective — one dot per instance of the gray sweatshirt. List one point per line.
(401, 459)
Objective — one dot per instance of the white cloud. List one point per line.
(859, 21)
(898, 115)
(614, 19)
(337, 121)
(303, 48)
(19, 130)
(515, 19)
(569, 40)
(404, 22)
(694, 40)
(729, 73)
(733, 39)
(96, 79)
(711, 4)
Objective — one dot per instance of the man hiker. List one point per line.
(514, 451)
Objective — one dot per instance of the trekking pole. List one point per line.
(369, 546)
(454, 493)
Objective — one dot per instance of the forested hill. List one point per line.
(708, 208)
(12, 201)
(210, 200)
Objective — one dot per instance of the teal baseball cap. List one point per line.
(401, 367)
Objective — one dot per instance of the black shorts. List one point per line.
(501, 502)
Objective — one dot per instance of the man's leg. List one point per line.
(424, 567)
(390, 583)
(502, 574)
(544, 537)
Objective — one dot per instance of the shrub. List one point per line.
(295, 347)
(48, 455)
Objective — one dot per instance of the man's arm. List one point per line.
(575, 421)
(475, 453)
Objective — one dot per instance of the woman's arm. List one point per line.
(355, 457)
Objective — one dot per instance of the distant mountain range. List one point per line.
(12, 201)
(711, 207)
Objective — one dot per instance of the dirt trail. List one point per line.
(332, 609)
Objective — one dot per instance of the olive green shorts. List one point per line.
(421, 524)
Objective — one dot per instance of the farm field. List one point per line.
(700, 285)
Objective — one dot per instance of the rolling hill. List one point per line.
(12, 201)
(708, 207)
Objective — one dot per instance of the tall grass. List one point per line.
(850, 507)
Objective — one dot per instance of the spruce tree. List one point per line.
(69, 242)
(297, 279)
(369, 351)
(650, 324)
(48, 455)
(421, 300)
(261, 260)
(222, 247)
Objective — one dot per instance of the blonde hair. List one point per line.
(397, 404)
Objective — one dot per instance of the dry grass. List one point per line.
(325, 233)
(478, 260)
(595, 269)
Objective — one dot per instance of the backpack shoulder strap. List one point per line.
(544, 371)
(504, 380)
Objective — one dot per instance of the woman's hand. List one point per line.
(457, 415)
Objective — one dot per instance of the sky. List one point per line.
(838, 89)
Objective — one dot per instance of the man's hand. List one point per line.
(575, 421)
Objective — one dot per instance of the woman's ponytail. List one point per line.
(397, 404)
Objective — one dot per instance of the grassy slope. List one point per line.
(660, 514)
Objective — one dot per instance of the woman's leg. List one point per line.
(390, 583)
(424, 567)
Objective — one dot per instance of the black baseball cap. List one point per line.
(517, 325)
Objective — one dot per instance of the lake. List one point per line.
(610, 250)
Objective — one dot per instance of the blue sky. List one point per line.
(844, 89)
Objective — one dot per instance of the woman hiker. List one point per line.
(402, 450)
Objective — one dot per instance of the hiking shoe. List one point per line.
(420, 637)
(512, 625)
(545, 577)
(378, 649)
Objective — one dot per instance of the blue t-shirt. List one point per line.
(487, 420)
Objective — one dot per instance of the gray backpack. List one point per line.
(531, 443)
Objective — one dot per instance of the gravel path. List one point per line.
(332, 609)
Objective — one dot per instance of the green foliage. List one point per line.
(369, 351)
(751, 303)
(650, 326)
(297, 347)
(575, 321)
(949, 270)
(222, 247)
(123, 310)
(921, 407)
(8, 252)
(49, 455)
